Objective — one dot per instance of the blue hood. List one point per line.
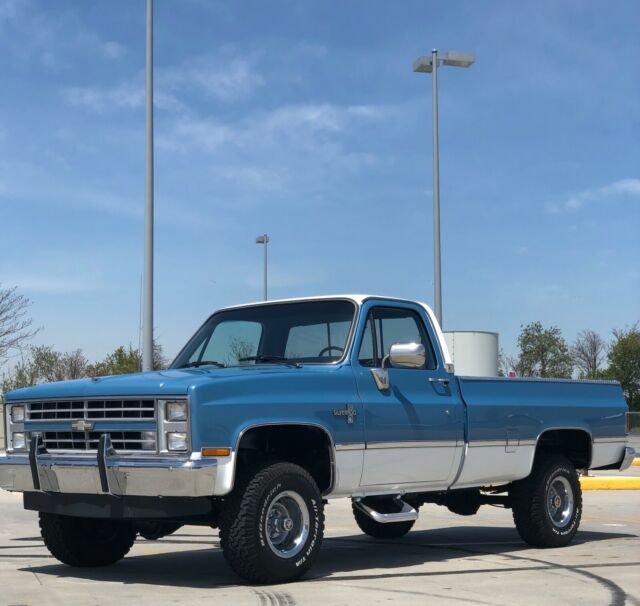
(154, 383)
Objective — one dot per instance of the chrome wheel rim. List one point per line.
(287, 524)
(560, 502)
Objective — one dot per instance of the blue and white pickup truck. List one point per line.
(273, 408)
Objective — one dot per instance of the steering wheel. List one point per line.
(329, 348)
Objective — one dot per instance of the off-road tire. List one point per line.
(529, 503)
(243, 524)
(392, 530)
(86, 542)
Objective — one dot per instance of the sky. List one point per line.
(305, 120)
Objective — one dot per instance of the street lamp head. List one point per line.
(458, 59)
(423, 64)
(263, 239)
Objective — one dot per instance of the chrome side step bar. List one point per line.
(406, 514)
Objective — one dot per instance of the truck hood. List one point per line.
(153, 383)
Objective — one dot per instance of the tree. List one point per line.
(43, 364)
(124, 360)
(15, 326)
(120, 361)
(543, 352)
(588, 352)
(624, 363)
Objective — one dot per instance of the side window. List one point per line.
(393, 325)
(366, 356)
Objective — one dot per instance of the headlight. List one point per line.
(176, 411)
(17, 414)
(18, 441)
(177, 441)
(148, 440)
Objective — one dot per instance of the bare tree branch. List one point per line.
(588, 352)
(15, 326)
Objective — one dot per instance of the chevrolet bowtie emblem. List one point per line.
(82, 425)
(349, 411)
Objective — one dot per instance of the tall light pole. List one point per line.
(147, 317)
(264, 239)
(430, 64)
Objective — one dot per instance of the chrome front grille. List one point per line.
(76, 420)
(88, 440)
(91, 410)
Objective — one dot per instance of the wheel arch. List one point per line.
(576, 443)
(269, 439)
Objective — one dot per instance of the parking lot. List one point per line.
(446, 559)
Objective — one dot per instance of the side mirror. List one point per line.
(407, 355)
(401, 355)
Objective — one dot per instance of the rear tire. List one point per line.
(86, 542)
(547, 506)
(391, 530)
(271, 526)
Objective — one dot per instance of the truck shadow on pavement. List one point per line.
(197, 561)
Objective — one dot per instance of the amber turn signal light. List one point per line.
(216, 452)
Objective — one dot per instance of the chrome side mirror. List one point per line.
(401, 355)
(407, 355)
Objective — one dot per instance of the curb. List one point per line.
(610, 483)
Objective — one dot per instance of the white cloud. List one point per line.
(226, 82)
(127, 96)
(101, 99)
(615, 190)
(624, 186)
(112, 50)
(304, 125)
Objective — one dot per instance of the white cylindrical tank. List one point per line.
(474, 352)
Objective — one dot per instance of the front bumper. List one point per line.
(113, 475)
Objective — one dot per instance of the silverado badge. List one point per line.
(349, 411)
(82, 425)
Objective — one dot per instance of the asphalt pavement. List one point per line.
(447, 559)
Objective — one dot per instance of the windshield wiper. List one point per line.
(199, 363)
(274, 359)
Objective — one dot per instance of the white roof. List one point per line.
(359, 299)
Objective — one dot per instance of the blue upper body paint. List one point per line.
(226, 401)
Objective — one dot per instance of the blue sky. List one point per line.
(305, 120)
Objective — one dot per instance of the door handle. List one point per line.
(443, 381)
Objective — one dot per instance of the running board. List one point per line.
(406, 514)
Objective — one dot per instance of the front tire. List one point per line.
(86, 542)
(547, 506)
(271, 526)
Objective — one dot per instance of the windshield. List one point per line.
(306, 332)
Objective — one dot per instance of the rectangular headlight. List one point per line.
(17, 414)
(176, 411)
(177, 441)
(18, 441)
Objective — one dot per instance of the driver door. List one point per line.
(411, 428)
